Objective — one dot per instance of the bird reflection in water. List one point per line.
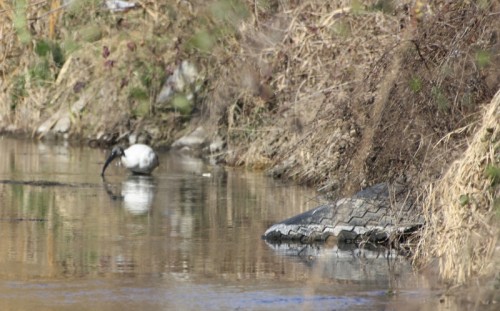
(137, 193)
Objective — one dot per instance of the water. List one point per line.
(188, 238)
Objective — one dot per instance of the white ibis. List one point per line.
(138, 158)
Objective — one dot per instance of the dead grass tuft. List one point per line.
(461, 209)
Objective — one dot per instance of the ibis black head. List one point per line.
(116, 152)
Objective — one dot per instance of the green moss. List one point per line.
(493, 173)
(264, 5)
(440, 99)
(140, 99)
(231, 11)
(70, 46)
(91, 33)
(182, 104)
(150, 74)
(483, 58)
(141, 108)
(415, 84)
(222, 22)
(202, 41)
(386, 6)
(40, 72)
(138, 93)
(467, 100)
(18, 91)
(57, 54)
(357, 7)
(464, 199)
(20, 22)
(42, 48)
(82, 11)
(342, 29)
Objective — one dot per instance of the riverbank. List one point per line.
(337, 96)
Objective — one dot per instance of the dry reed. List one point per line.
(461, 229)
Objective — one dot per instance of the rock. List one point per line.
(45, 127)
(79, 105)
(139, 138)
(11, 128)
(48, 124)
(216, 145)
(55, 125)
(60, 123)
(214, 152)
(63, 125)
(132, 138)
(195, 140)
(199, 144)
(119, 6)
(182, 80)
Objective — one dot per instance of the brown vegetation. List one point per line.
(339, 94)
(462, 208)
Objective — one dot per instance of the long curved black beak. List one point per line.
(108, 161)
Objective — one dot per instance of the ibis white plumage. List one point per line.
(138, 158)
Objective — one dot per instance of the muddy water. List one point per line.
(187, 238)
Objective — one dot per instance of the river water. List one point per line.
(187, 238)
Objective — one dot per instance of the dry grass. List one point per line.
(359, 94)
(461, 208)
(118, 90)
(314, 59)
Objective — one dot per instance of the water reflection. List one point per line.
(137, 193)
(151, 241)
(188, 220)
(347, 262)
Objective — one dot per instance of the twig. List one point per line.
(256, 13)
(49, 12)
(420, 54)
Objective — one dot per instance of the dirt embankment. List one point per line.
(338, 95)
